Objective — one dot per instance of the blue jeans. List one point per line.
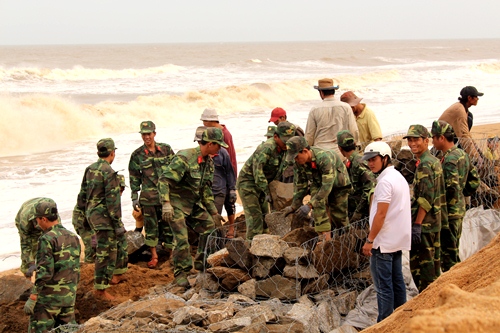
(387, 275)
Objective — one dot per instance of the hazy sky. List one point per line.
(163, 21)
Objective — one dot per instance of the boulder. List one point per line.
(217, 258)
(305, 315)
(230, 325)
(328, 316)
(300, 272)
(258, 313)
(301, 237)
(188, 314)
(281, 193)
(12, 287)
(278, 287)
(135, 240)
(264, 267)
(239, 253)
(229, 278)
(345, 302)
(248, 289)
(278, 224)
(268, 246)
(296, 254)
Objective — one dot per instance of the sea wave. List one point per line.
(490, 68)
(79, 73)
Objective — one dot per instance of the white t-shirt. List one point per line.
(393, 189)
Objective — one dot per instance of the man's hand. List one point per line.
(30, 270)
(29, 306)
(287, 210)
(120, 231)
(167, 212)
(136, 205)
(303, 211)
(232, 196)
(367, 249)
(416, 231)
(269, 198)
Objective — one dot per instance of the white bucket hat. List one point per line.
(209, 115)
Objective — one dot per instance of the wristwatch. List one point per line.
(369, 241)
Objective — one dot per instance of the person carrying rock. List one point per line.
(322, 172)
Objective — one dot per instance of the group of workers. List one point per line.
(190, 187)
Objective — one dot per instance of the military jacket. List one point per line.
(187, 181)
(100, 197)
(28, 233)
(429, 193)
(458, 171)
(324, 173)
(145, 168)
(262, 167)
(58, 267)
(362, 179)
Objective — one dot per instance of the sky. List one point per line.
(35, 22)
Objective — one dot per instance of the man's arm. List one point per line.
(300, 186)
(378, 223)
(328, 174)
(260, 158)
(310, 129)
(45, 265)
(135, 175)
(374, 127)
(173, 173)
(113, 198)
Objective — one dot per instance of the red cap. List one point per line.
(276, 114)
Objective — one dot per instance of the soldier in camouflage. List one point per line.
(362, 179)
(460, 176)
(145, 167)
(84, 230)
(99, 198)
(52, 299)
(185, 189)
(322, 172)
(28, 234)
(262, 167)
(428, 210)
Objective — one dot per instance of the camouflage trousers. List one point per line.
(111, 257)
(46, 318)
(332, 214)
(84, 230)
(450, 242)
(155, 228)
(353, 203)
(202, 223)
(255, 208)
(425, 261)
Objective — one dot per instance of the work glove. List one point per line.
(416, 231)
(136, 205)
(287, 210)
(269, 198)
(29, 306)
(232, 196)
(167, 212)
(355, 217)
(120, 231)
(303, 211)
(30, 270)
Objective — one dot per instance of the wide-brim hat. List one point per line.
(326, 84)
(350, 98)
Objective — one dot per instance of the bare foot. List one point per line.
(117, 279)
(103, 294)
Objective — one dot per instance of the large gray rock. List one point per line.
(12, 287)
(278, 287)
(188, 314)
(345, 302)
(278, 224)
(306, 315)
(328, 316)
(135, 240)
(281, 193)
(218, 258)
(239, 252)
(300, 272)
(248, 289)
(268, 246)
(297, 254)
(229, 278)
(230, 325)
(279, 308)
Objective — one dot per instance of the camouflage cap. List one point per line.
(294, 146)
(147, 127)
(345, 139)
(285, 130)
(270, 131)
(199, 132)
(214, 134)
(440, 127)
(121, 178)
(45, 207)
(417, 131)
(106, 145)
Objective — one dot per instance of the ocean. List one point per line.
(56, 102)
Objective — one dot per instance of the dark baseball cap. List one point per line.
(345, 139)
(46, 207)
(470, 91)
(294, 146)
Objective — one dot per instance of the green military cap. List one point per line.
(147, 127)
(199, 133)
(105, 145)
(45, 207)
(345, 139)
(440, 127)
(294, 146)
(417, 131)
(214, 134)
(285, 130)
(121, 178)
(270, 131)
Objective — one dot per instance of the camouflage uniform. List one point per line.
(57, 276)
(100, 199)
(83, 229)
(187, 184)
(327, 179)
(428, 193)
(362, 179)
(28, 232)
(458, 172)
(263, 166)
(145, 167)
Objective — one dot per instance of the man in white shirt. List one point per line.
(390, 229)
